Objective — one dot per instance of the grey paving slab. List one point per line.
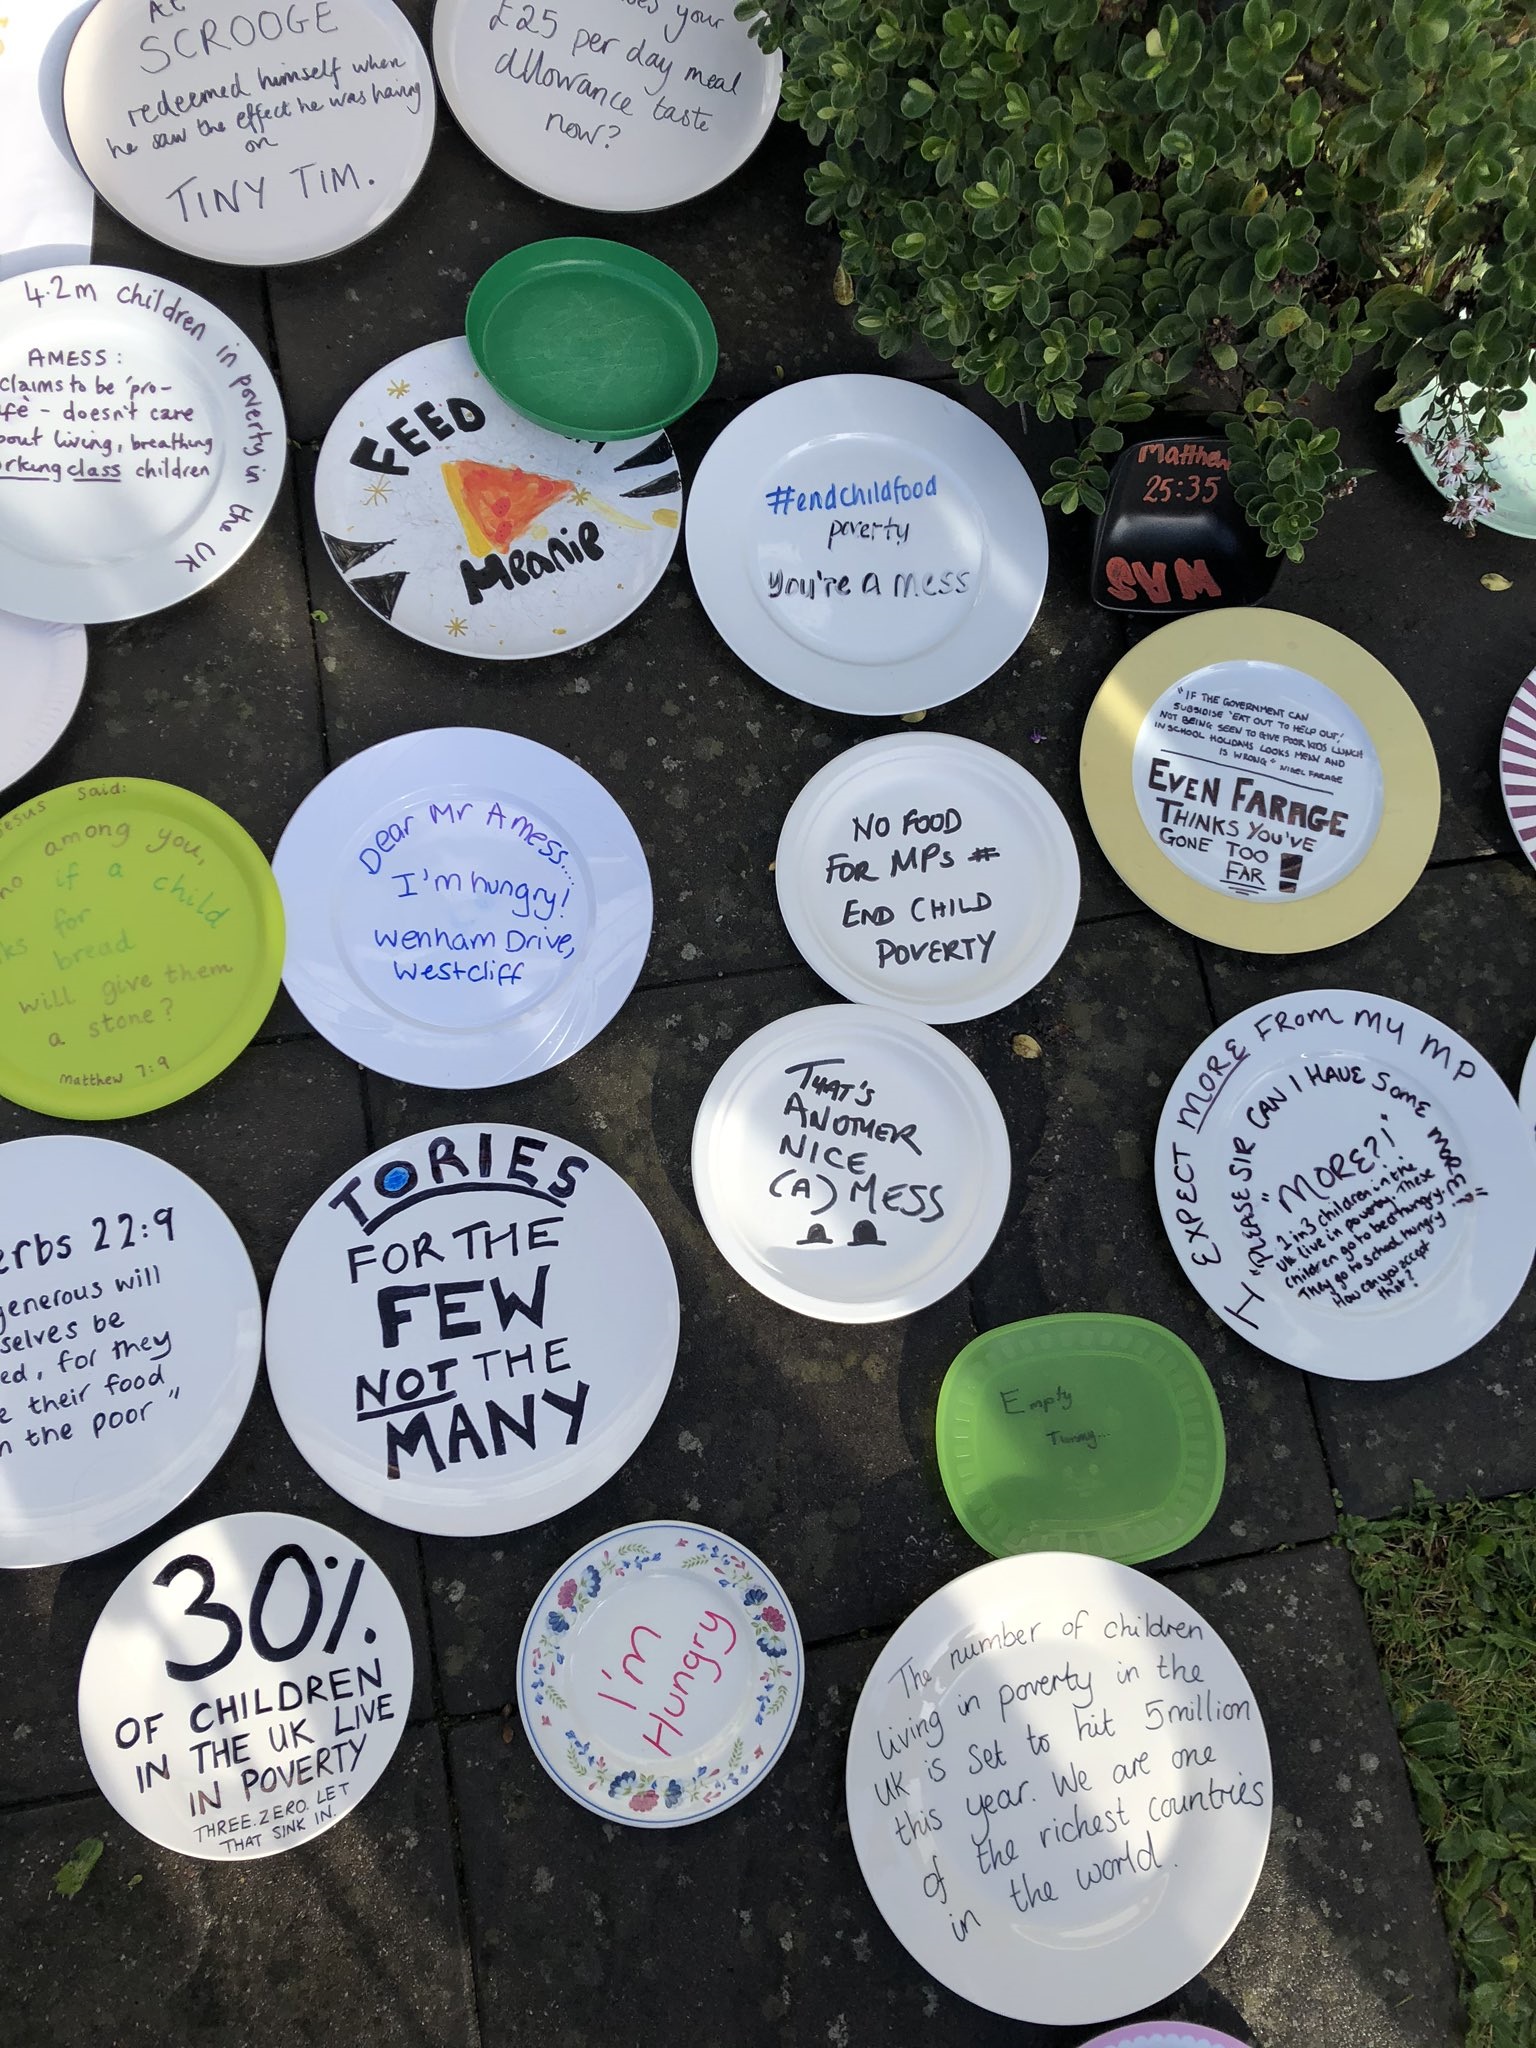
(1463, 947)
(357, 1937)
(1083, 1230)
(582, 1928)
(264, 1140)
(1343, 1941)
(811, 1442)
(1388, 571)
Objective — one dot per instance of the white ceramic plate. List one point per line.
(130, 1329)
(660, 1674)
(1059, 1788)
(929, 874)
(464, 907)
(1345, 1181)
(1162, 2034)
(851, 1164)
(1512, 463)
(42, 673)
(146, 444)
(475, 531)
(1517, 766)
(245, 1687)
(637, 104)
(866, 544)
(250, 134)
(473, 1329)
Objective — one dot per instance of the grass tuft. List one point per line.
(1450, 1595)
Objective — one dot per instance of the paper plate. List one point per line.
(471, 529)
(144, 942)
(1162, 2034)
(866, 544)
(128, 1344)
(591, 339)
(1511, 463)
(660, 1674)
(1259, 780)
(246, 134)
(144, 444)
(848, 1129)
(1517, 766)
(245, 1687)
(42, 673)
(464, 908)
(928, 874)
(472, 1330)
(1528, 1087)
(1081, 1432)
(627, 110)
(1346, 1182)
(1059, 1788)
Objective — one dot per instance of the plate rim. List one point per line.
(1410, 777)
(221, 1052)
(1068, 1561)
(68, 661)
(712, 545)
(988, 760)
(316, 840)
(108, 607)
(241, 1373)
(454, 12)
(645, 1821)
(442, 642)
(1510, 1160)
(992, 1194)
(454, 1522)
(97, 14)
(1525, 695)
(1065, 1321)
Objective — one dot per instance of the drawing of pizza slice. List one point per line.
(497, 506)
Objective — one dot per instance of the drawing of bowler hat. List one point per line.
(865, 1233)
(817, 1234)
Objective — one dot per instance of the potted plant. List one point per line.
(1101, 207)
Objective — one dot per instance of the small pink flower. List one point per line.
(1414, 436)
(642, 1802)
(1037, 739)
(544, 1720)
(774, 1619)
(567, 1594)
(1460, 513)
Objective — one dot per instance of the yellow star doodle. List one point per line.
(376, 493)
(399, 388)
(455, 628)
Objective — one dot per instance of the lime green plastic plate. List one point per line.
(592, 339)
(141, 943)
(1094, 1433)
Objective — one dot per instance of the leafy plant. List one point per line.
(1101, 206)
(1450, 1592)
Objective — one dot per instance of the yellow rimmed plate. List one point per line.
(1260, 780)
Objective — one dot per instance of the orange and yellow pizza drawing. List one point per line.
(497, 506)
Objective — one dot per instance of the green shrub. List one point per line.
(1102, 206)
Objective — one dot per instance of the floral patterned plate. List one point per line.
(660, 1674)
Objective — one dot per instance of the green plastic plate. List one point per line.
(592, 339)
(1093, 1433)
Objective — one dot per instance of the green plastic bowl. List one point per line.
(1092, 1433)
(591, 339)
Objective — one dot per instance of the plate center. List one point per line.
(461, 906)
(1351, 1186)
(663, 1665)
(865, 547)
(108, 439)
(1257, 780)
